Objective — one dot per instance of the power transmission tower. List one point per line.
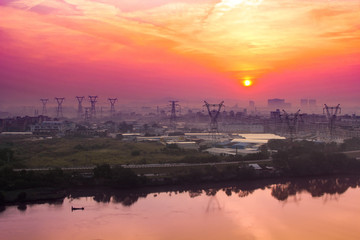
(93, 100)
(44, 102)
(59, 112)
(87, 114)
(112, 105)
(292, 122)
(331, 114)
(174, 106)
(214, 111)
(80, 107)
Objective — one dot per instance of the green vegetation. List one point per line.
(307, 158)
(117, 177)
(6, 156)
(212, 173)
(25, 186)
(350, 144)
(11, 180)
(73, 152)
(78, 152)
(302, 158)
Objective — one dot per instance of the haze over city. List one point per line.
(179, 119)
(190, 50)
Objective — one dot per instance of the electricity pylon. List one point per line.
(331, 114)
(174, 109)
(214, 111)
(292, 122)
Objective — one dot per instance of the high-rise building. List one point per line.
(304, 103)
(312, 102)
(278, 103)
(251, 109)
(251, 104)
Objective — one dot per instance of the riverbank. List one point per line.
(316, 185)
(288, 159)
(32, 195)
(31, 186)
(281, 189)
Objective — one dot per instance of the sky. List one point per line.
(188, 50)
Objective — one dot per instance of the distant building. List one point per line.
(312, 102)
(47, 128)
(5, 114)
(189, 145)
(278, 103)
(308, 104)
(275, 115)
(243, 128)
(52, 127)
(221, 151)
(304, 103)
(20, 124)
(251, 104)
(251, 108)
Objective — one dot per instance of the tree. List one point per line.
(6, 155)
(2, 198)
(124, 177)
(350, 144)
(102, 171)
(21, 196)
(277, 144)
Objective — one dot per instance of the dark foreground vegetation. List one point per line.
(290, 159)
(280, 189)
(307, 158)
(24, 186)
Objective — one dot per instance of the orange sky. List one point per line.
(180, 49)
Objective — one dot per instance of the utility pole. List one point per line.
(59, 112)
(331, 114)
(214, 111)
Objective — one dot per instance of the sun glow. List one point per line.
(235, 3)
(256, 48)
(247, 83)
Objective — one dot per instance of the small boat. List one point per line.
(76, 208)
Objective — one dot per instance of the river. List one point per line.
(325, 208)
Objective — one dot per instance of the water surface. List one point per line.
(304, 209)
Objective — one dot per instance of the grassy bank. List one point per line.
(74, 152)
(291, 159)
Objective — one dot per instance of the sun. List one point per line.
(247, 83)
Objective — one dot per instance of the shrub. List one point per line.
(135, 153)
(21, 196)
